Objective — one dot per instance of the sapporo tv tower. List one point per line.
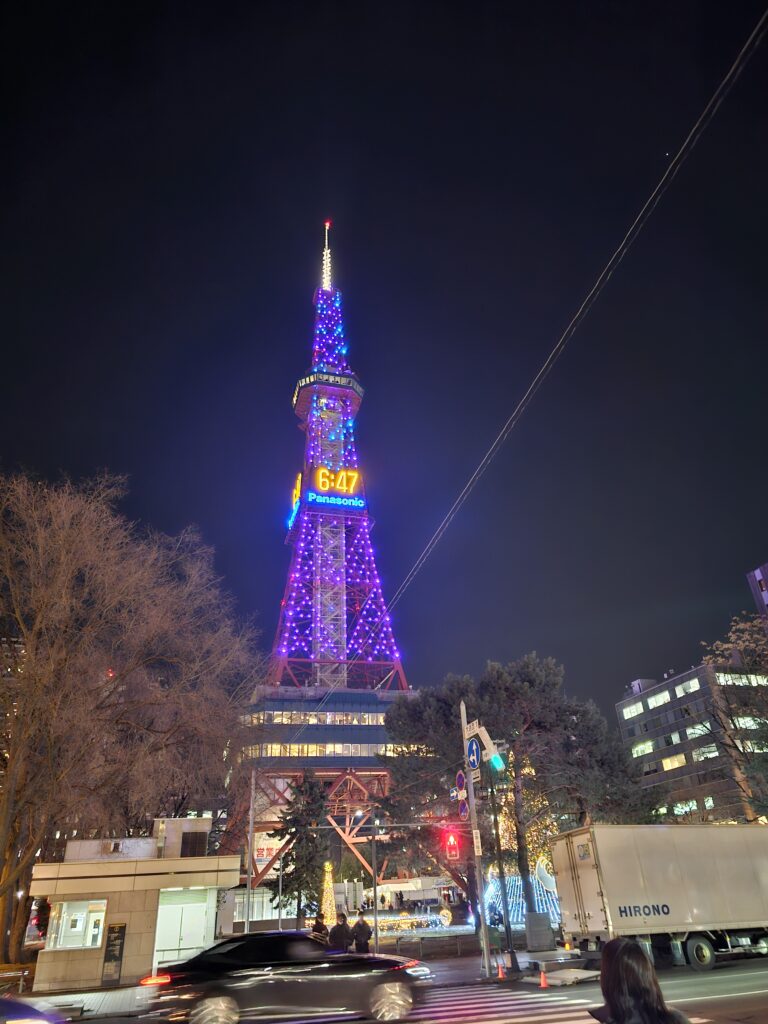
(334, 629)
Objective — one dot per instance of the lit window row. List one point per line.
(705, 753)
(689, 686)
(325, 750)
(657, 699)
(751, 747)
(633, 710)
(747, 722)
(687, 806)
(315, 718)
(740, 679)
(648, 746)
(699, 729)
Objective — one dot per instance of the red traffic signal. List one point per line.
(452, 851)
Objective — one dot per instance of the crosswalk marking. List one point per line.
(483, 1004)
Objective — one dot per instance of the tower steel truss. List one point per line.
(334, 629)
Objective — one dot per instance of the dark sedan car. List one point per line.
(284, 974)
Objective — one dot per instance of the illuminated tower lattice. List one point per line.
(334, 629)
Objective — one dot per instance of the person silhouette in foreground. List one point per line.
(631, 989)
(340, 936)
(361, 932)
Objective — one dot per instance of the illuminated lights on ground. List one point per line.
(546, 901)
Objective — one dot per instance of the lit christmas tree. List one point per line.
(540, 824)
(327, 898)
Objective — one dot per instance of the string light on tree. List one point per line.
(327, 898)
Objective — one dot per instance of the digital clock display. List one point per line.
(329, 489)
(340, 481)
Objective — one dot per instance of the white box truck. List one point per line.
(689, 893)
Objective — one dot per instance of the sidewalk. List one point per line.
(110, 1002)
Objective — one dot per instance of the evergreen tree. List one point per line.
(303, 861)
(565, 766)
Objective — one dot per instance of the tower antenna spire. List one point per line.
(326, 284)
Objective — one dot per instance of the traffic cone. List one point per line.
(543, 983)
(500, 974)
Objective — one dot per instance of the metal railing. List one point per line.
(6, 982)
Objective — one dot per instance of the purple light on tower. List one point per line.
(334, 629)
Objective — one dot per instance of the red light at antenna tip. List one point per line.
(327, 223)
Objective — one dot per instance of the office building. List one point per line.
(758, 584)
(673, 730)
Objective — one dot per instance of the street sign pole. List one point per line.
(502, 876)
(484, 943)
(375, 873)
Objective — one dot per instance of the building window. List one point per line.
(685, 807)
(671, 739)
(645, 747)
(658, 699)
(76, 924)
(194, 844)
(747, 722)
(704, 753)
(736, 679)
(650, 768)
(689, 686)
(660, 811)
(709, 803)
(316, 718)
(676, 761)
(751, 746)
(700, 729)
(633, 710)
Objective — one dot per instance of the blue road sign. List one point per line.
(474, 755)
(463, 810)
(461, 781)
(454, 794)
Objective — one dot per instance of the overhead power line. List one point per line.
(693, 136)
(621, 251)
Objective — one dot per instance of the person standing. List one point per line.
(340, 936)
(362, 933)
(320, 928)
(631, 989)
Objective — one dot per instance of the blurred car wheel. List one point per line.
(215, 1010)
(391, 1001)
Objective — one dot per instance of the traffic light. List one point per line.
(452, 851)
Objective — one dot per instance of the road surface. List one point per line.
(729, 994)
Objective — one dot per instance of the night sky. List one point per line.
(166, 171)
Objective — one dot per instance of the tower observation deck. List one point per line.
(334, 629)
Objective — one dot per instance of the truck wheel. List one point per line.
(701, 953)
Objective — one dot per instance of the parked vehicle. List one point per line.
(278, 973)
(688, 893)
